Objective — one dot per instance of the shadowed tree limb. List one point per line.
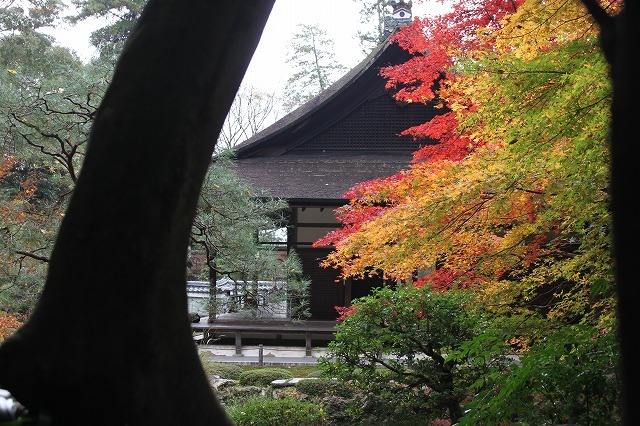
(33, 256)
(109, 341)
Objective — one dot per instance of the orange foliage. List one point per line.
(8, 325)
(517, 180)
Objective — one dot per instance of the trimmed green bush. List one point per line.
(261, 411)
(224, 370)
(411, 324)
(314, 373)
(263, 376)
(244, 391)
(324, 387)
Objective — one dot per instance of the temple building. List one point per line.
(347, 134)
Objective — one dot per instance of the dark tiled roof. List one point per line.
(346, 135)
(316, 101)
(320, 112)
(319, 176)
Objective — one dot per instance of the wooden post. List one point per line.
(238, 335)
(307, 336)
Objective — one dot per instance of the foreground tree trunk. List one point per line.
(625, 188)
(110, 342)
(620, 39)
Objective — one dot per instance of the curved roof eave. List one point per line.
(386, 53)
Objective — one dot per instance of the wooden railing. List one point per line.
(210, 332)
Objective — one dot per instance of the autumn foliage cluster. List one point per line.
(8, 325)
(506, 203)
(508, 195)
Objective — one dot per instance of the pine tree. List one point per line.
(372, 14)
(314, 64)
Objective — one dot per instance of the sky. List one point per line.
(268, 70)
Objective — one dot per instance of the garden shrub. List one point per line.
(338, 410)
(570, 378)
(396, 404)
(263, 376)
(401, 335)
(314, 373)
(244, 391)
(371, 409)
(322, 387)
(224, 370)
(264, 411)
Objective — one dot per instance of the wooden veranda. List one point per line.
(205, 333)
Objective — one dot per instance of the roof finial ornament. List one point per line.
(400, 17)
